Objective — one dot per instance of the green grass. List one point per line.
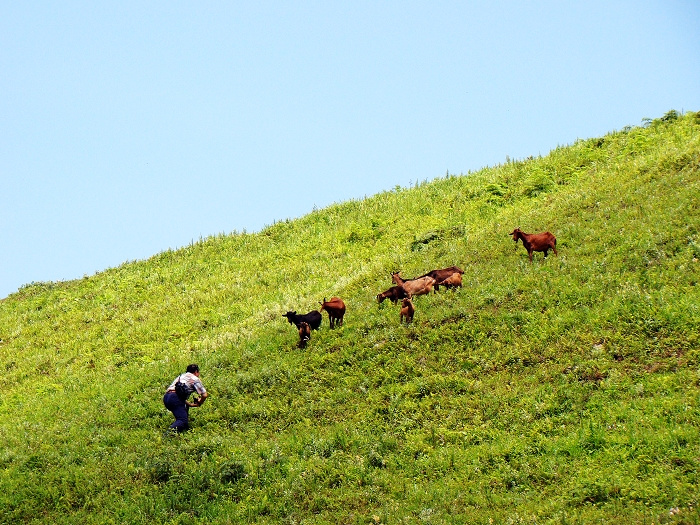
(562, 391)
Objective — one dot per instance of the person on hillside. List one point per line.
(179, 405)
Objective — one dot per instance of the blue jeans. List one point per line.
(179, 409)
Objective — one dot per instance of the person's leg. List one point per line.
(179, 410)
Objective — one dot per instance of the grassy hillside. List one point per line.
(562, 391)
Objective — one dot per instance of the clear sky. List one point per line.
(127, 128)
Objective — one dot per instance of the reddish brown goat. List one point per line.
(393, 294)
(417, 286)
(304, 334)
(535, 242)
(444, 274)
(453, 281)
(407, 311)
(336, 310)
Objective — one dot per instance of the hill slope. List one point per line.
(566, 390)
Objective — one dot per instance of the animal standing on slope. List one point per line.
(407, 311)
(452, 282)
(304, 334)
(417, 286)
(445, 274)
(313, 318)
(336, 310)
(393, 294)
(535, 242)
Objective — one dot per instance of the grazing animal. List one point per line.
(417, 286)
(407, 311)
(336, 310)
(304, 334)
(453, 281)
(313, 318)
(444, 274)
(393, 294)
(535, 242)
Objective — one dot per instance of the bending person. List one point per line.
(177, 402)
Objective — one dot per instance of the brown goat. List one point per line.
(304, 334)
(417, 286)
(336, 310)
(453, 281)
(441, 275)
(393, 294)
(535, 242)
(407, 311)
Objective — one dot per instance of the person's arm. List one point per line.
(199, 402)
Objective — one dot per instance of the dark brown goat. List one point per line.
(536, 242)
(313, 318)
(417, 286)
(444, 274)
(407, 311)
(336, 310)
(304, 334)
(393, 294)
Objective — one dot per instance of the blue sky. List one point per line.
(128, 128)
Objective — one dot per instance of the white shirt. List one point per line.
(192, 383)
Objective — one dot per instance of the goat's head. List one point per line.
(396, 277)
